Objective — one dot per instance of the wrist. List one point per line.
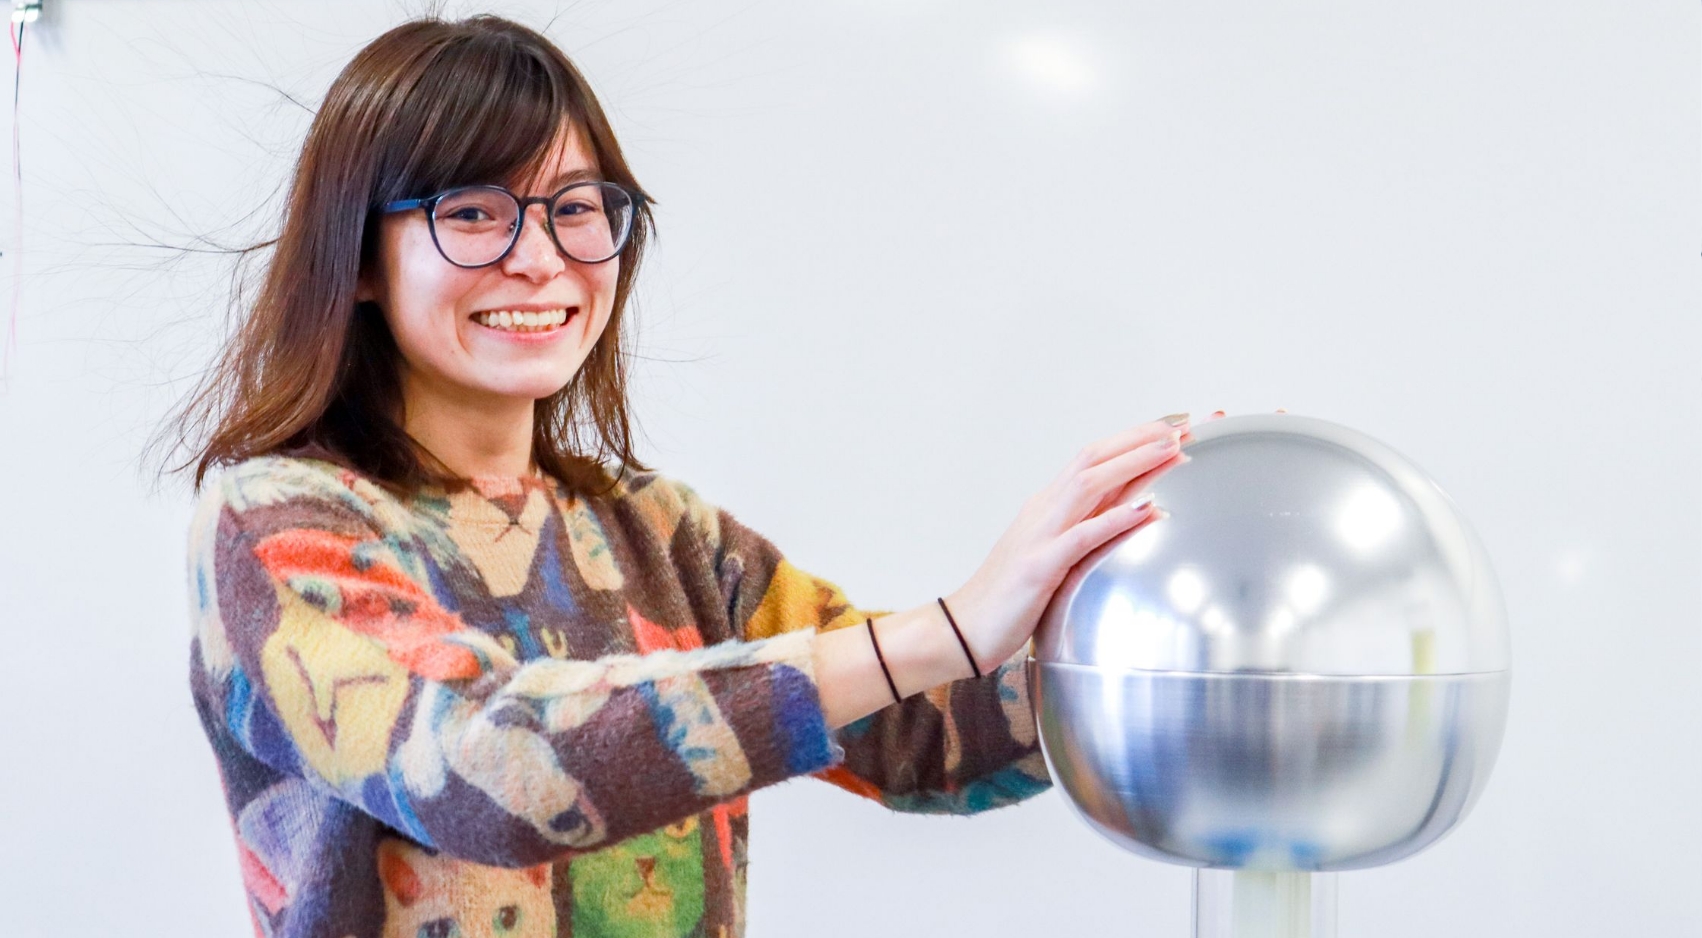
(969, 655)
(921, 649)
(977, 624)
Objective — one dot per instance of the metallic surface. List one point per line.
(1294, 545)
(1303, 668)
(1258, 771)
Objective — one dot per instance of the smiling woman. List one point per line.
(514, 313)
(358, 313)
(462, 676)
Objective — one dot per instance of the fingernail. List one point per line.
(1142, 502)
(1176, 420)
(1217, 413)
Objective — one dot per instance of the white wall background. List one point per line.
(913, 254)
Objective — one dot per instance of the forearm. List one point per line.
(920, 650)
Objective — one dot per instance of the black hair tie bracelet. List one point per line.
(870, 621)
(960, 640)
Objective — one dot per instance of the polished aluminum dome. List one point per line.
(1295, 545)
(1303, 667)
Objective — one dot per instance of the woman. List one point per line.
(460, 676)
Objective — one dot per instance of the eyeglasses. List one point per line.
(476, 226)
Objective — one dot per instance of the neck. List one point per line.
(472, 434)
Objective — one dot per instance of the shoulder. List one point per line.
(279, 490)
(654, 486)
(663, 502)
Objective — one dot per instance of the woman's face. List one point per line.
(435, 309)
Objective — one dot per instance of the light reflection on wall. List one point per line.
(1053, 63)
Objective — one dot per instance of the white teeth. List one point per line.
(520, 320)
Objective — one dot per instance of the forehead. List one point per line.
(568, 155)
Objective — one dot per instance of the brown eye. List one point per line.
(507, 919)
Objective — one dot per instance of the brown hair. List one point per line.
(427, 105)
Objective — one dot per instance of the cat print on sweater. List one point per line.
(643, 887)
(429, 895)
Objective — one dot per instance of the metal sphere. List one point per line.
(1304, 667)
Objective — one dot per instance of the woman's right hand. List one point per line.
(1096, 497)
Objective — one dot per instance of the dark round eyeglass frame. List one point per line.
(429, 203)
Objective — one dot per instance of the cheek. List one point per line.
(423, 293)
(605, 276)
(602, 283)
(423, 281)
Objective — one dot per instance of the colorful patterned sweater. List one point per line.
(511, 711)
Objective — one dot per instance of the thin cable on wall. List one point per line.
(17, 34)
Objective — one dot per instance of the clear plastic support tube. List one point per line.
(1264, 904)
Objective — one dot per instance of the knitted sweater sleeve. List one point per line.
(963, 747)
(333, 661)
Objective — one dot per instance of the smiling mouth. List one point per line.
(519, 321)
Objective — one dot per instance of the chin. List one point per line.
(529, 390)
(539, 392)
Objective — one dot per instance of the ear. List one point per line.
(398, 877)
(363, 288)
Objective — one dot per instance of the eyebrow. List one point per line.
(584, 174)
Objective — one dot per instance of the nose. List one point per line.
(534, 255)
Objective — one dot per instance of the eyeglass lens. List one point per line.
(475, 225)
